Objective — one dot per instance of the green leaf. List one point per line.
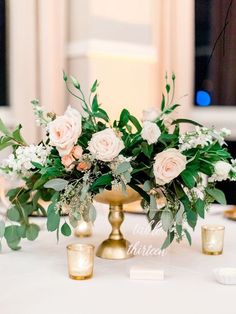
(75, 82)
(147, 186)
(65, 229)
(2, 228)
(153, 203)
(179, 230)
(124, 118)
(178, 121)
(65, 78)
(104, 180)
(191, 218)
(94, 87)
(56, 184)
(166, 219)
(188, 178)
(170, 237)
(17, 135)
(123, 167)
(4, 129)
(179, 215)
(14, 245)
(53, 221)
(92, 213)
(32, 232)
(188, 236)
(163, 102)
(200, 207)
(95, 105)
(145, 149)
(135, 123)
(12, 233)
(101, 114)
(36, 165)
(217, 194)
(13, 214)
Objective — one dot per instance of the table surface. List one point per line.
(34, 280)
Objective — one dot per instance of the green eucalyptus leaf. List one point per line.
(170, 237)
(179, 215)
(56, 184)
(147, 186)
(13, 214)
(92, 213)
(123, 167)
(2, 228)
(166, 219)
(188, 236)
(179, 230)
(153, 203)
(65, 229)
(53, 221)
(32, 232)
(12, 234)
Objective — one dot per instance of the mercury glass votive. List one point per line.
(80, 261)
(212, 239)
(83, 229)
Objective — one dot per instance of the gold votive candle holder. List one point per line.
(213, 239)
(83, 229)
(80, 261)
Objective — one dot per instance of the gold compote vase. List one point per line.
(116, 246)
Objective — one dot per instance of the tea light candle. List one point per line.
(80, 261)
(212, 239)
(83, 229)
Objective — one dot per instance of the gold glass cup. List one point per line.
(83, 229)
(212, 239)
(80, 261)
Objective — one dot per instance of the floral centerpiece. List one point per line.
(83, 152)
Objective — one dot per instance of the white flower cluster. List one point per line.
(222, 171)
(21, 161)
(202, 137)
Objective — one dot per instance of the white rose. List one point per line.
(105, 145)
(168, 165)
(222, 170)
(150, 132)
(65, 130)
(151, 114)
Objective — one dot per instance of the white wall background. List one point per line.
(127, 45)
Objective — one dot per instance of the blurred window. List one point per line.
(215, 53)
(3, 79)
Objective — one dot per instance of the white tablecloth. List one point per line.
(34, 280)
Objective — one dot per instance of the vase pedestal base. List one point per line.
(114, 249)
